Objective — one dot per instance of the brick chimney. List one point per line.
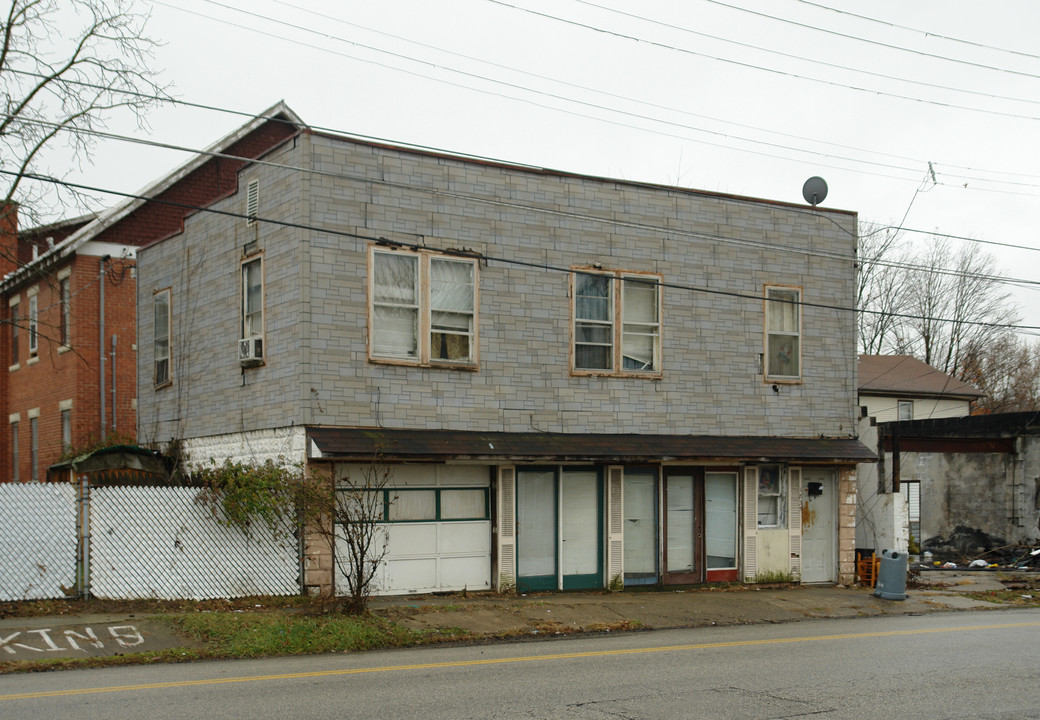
(8, 238)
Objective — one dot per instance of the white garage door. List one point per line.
(439, 530)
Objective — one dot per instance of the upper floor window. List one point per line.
(253, 298)
(161, 337)
(422, 308)
(66, 309)
(783, 334)
(15, 331)
(905, 409)
(34, 325)
(617, 323)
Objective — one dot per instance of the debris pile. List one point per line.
(1005, 557)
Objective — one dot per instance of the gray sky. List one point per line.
(738, 96)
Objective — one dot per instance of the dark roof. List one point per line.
(997, 425)
(903, 375)
(441, 445)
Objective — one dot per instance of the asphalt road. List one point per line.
(943, 665)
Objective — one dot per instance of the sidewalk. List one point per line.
(565, 613)
(542, 614)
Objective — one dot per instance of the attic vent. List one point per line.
(252, 201)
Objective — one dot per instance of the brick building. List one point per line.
(576, 382)
(69, 298)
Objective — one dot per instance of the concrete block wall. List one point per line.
(317, 370)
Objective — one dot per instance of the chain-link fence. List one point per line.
(140, 542)
(37, 541)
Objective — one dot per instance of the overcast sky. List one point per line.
(928, 110)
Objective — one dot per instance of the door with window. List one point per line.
(559, 540)
(700, 512)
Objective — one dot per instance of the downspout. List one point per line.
(114, 382)
(101, 338)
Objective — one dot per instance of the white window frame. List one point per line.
(426, 332)
(908, 406)
(773, 299)
(65, 302)
(252, 325)
(771, 494)
(620, 327)
(34, 324)
(160, 378)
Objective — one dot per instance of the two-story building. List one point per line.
(576, 382)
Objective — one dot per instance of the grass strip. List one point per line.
(227, 635)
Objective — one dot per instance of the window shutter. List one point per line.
(794, 518)
(506, 528)
(615, 524)
(750, 522)
(252, 201)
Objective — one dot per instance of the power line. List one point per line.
(792, 56)
(752, 66)
(579, 216)
(926, 33)
(877, 43)
(504, 260)
(596, 106)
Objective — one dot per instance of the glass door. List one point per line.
(536, 529)
(640, 539)
(684, 526)
(581, 529)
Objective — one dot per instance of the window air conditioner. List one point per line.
(250, 351)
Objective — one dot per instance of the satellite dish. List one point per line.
(815, 190)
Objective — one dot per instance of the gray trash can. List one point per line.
(891, 579)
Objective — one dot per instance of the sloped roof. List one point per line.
(906, 376)
(279, 111)
(440, 445)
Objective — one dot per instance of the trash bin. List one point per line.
(891, 577)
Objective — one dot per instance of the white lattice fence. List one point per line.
(156, 542)
(37, 541)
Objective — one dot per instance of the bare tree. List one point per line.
(67, 68)
(347, 514)
(934, 304)
(362, 537)
(880, 291)
(1008, 371)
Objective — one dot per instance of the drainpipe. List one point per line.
(114, 382)
(101, 338)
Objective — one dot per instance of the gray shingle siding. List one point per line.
(317, 370)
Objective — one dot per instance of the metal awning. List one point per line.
(331, 443)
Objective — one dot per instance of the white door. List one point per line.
(640, 527)
(819, 529)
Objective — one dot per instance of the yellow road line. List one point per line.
(501, 661)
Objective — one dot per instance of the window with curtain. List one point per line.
(253, 298)
(601, 343)
(770, 496)
(783, 334)
(423, 308)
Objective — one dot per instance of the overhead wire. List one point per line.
(579, 216)
(815, 61)
(498, 259)
(830, 157)
(752, 66)
(926, 33)
(877, 43)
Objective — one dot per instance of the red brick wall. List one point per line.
(55, 374)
